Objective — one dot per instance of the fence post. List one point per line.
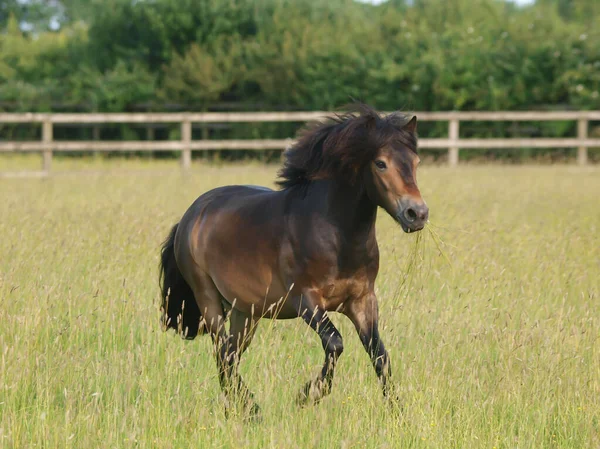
(47, 138)
(453, 135)
(149, 132)
(186, 138)
(95, 138)
(582, 133)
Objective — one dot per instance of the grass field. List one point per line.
(495, 346)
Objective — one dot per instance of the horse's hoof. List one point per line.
(394, 401)
(246, 410)
(312, 393)
(253, 413)
(303, 397)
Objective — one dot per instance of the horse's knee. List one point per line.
(334, 345)
(227, 350)
(224, 350)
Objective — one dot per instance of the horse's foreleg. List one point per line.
(363, 312)
(332, 343)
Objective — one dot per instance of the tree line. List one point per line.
(163, 55)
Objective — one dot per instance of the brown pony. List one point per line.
(242, 253)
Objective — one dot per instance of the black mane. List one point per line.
(342, 145)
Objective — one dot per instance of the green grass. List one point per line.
(496, 346)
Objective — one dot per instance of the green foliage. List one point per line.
(33, 14)
(112, 55)
(114, 90)
(200, 76)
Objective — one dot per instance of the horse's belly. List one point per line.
(252, 289)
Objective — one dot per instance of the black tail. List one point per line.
(179, 310)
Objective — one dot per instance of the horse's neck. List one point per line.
(351, 209)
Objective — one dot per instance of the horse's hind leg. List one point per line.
(228, 345)
(332, 343)
(229, 353)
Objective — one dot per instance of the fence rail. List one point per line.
(47, 146)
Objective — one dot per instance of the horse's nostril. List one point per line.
(410, 214)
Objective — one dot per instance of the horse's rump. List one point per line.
(178, 305)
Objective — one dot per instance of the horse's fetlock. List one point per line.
(382, 365)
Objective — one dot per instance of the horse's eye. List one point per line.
(380, 165)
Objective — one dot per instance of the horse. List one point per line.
(241, 253)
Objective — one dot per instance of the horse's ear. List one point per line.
(371, 121)
(411, 126)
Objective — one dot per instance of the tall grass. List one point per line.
(491, 316)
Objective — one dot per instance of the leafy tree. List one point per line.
(200, 76)
(34, 14)
(299, 54)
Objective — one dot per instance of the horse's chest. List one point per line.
(335, 293)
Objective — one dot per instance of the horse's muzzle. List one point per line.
(412, 217)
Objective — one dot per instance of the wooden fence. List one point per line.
(47, 146)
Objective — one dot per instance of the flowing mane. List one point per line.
(342, 145)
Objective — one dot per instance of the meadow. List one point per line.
(493, 327)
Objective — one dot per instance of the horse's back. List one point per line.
(228, 206)
(227, 199)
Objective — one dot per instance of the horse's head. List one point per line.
(364, 146)
(391, 176)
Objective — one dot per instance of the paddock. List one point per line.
(493, 334)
